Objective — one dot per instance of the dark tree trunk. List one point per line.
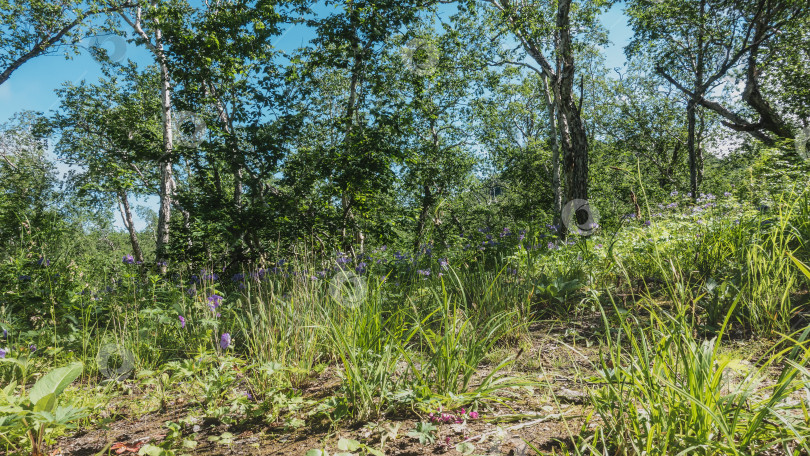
(692, 141)
(126, 215)
(427, 202)
(574, 137)
(691, 116)
(236, 164)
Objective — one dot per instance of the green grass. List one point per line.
(668, 392)
(669, 295)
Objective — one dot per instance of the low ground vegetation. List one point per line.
(684, 333)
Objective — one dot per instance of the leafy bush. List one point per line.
(40, 410)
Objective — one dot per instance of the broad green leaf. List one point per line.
(151, 450)
(65, 415)
(465, 448)
(55, 382)
(9, 389)
(46, 404)
(348, 445)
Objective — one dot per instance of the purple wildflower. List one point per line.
(214, 301)
(209, 276)
(32, 347)
(2, 353)
(424, 272)
(182, 321)
(225, 341)
(129, 259)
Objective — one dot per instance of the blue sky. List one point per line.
(32, 86)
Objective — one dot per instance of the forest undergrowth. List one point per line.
(682, 333)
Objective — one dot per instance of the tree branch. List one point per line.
(46, 43)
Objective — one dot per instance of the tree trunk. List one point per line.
(349, 222)
(427, 202)
(235, 160)
(126, 216)
(769, 120)
(571, 130)
(165, 164)
(692, 148)
(556, 185)
(167, 185)
(574, 137)
(692, 142)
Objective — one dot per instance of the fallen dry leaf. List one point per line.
(123, 447)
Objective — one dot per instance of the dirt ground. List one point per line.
(561, 358)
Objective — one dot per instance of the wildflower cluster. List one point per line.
(448, 418)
